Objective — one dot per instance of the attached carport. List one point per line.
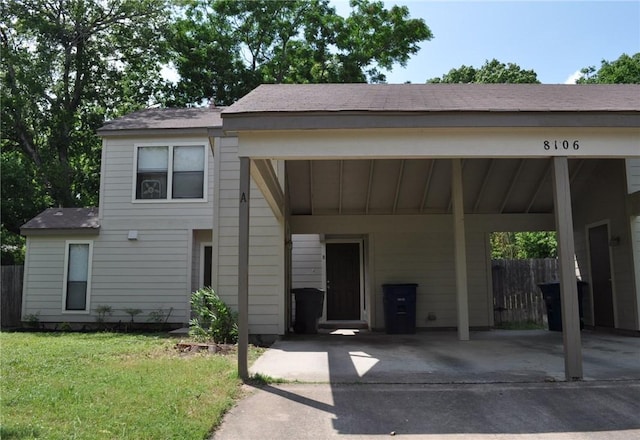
(326, 154)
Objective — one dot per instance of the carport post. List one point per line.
(462, 295)
(568, 285)
(243, 269)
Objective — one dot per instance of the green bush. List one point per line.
(213, 320)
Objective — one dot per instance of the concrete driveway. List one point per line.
(438, 357)
(499, 385)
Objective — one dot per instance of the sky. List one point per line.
(556, 39)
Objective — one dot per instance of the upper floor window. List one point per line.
(170, 172)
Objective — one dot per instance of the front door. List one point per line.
(601, 276)
(343, 281)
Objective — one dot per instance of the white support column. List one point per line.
(460, 252)
(243, 268)
(568, 285)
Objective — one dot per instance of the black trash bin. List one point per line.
(309, 303)
(399, 308)
(553, 304)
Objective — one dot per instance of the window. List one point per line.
(188, 172)
(77, 274)
(152, 173)
(182, 177)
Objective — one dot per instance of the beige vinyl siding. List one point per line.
(149, 274)
(306, 268)
(419, 249)
(199, 238)
(161, 268)
(44, 274)
(633, 174)
(633, 185)
(603, 201)
(266, 253)
(635, 240)
(119, 174)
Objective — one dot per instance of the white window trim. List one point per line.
(66, 276)
(170, 146)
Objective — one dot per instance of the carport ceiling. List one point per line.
(423, 186)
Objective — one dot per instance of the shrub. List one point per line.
(213, 320)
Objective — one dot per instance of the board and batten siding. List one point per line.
(266, 248)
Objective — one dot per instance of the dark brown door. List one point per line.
(343, 281)
(601, 276)
(207, 265)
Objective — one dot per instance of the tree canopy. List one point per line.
(624, 70)
(225, 48)
(491, 72)
(67, 65)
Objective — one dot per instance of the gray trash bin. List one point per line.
(553, 303)
(309, 302)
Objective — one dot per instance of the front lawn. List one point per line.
(110, 386)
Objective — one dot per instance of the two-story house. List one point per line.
(168, 181)
(356, 186)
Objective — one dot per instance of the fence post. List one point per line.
(11, 293)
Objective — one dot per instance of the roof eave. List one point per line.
(196, 131)
(83, 231)
(235, 122)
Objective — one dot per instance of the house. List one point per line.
(353, 186)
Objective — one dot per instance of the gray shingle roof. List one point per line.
(166, 118)
(273, 98)
(67, 219)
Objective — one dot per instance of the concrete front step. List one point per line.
(334, 325)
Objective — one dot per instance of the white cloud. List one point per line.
(575, 76)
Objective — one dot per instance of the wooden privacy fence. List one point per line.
(516, 295)
(11, 295)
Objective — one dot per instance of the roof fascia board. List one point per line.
(465, 142)
(233, 122)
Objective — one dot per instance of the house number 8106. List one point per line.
(561, 145)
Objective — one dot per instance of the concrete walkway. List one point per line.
(499, 385)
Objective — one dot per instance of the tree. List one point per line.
(67, 65)
(225, 48)
(491, 72)
(624, 70)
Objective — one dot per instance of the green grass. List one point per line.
(110, 386)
